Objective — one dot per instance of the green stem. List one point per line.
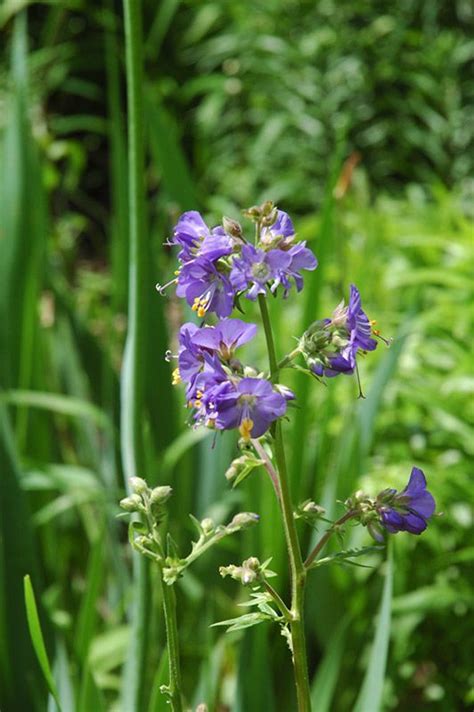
(280, 603)
(298, 571)
(289, 358)
(325, 538)
(132, 390)
(169, 609)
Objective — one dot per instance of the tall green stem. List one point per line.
(298, 572)
(169, 608)
(133, 460)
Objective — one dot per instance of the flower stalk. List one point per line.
(173, 689)
(328, 534)
(298, 571)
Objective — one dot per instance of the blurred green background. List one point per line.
(357, 119)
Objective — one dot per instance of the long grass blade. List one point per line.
(37, 637)
(370, 695)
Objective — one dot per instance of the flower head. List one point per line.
(301, 258)
(256, 268)
(408, 510)
(225, 337)
(197, 240)
(330, 346)
(203, 350)
(250, 405)
(205, 288)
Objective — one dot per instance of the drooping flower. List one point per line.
(330, 346)
(205, 288)
(408, 510)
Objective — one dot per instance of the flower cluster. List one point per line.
(405, 511)
(222, 393)
(330, 346)
(218, 264)
(408, 510)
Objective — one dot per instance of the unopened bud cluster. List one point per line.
(309, 511)
(251, 571)
(144, 499)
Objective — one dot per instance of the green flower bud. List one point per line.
(138, 485)
(243, 520)
(207, 526)
(160, 495)
(132, 503)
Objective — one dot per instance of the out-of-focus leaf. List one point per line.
(370, 695)
(37, 637)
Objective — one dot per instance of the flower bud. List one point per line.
(138, 485)
(243, 520)
(250, 570)
(235, 468)
(286, 392)
(160, 495)
(207, 526)
(232, 227)
(270, 219)
(313, 509)
(132, 503)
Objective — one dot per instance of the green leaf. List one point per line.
(246, 621)
(37, 637)
(324, 684)
(57, 403)
(345, 556)
(87, 613)
(370, 695)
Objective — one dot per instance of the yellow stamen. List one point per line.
(177, 272)
(175, 377)
(201, 312)
(245, 428)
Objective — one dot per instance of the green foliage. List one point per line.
(37, 637)
(272, 87)
(248, 102)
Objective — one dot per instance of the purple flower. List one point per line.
(330, 346)
(256, 268)
(205, 288)
(251, 405)
(197, 240)
(225, 337)
(281, 232)
(190, 357)
(301, 258)
(201, 348)
(358, 323)
(408, 510)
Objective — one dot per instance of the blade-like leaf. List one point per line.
(37, 637)
(370, 695)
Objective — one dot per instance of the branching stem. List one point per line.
(325, 538)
